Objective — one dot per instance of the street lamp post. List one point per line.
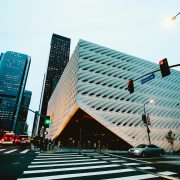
(148, 131)
(174, 17)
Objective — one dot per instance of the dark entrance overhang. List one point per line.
(84, 131)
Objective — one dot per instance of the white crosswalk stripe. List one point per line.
(146, 168)
(56, 154)
(17, 151)
(131, 164)
(71, 169)
(167, 173)
(2, 149)
(63, 158)
(136, 177)
(64, 161)
(7, 152)
(87, 166)
(119, 161)
(67, 164)
(76, 175)
(43, 156)
(25, 151)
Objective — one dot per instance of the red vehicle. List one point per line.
(22, 139)
(8, 138)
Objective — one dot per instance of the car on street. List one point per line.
(22, 140)
(8, 138)
(146, 150)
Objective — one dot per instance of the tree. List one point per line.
(170, 138)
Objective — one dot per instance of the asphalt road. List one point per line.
(14, 160)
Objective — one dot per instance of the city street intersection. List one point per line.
(23, 163)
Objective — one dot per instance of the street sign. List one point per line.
(148, 78)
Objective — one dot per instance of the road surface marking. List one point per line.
(128, 158)
(110, 158)
(101, 156)
(10, 151)
(118, 161)
(131, 164)
(78, 174)
(63, 154)
(2, 149)
(146, 168)
(67, 164)
(167, 173)
(63, 158)
(70, 169)
(136, 177)
(39, 156)
(79, 160)
(25, 151)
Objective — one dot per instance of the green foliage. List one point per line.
(170, 138)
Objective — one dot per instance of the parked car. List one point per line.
(8, 138)
(22, 139)
(146, 150)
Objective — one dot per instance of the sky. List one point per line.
(136, 27)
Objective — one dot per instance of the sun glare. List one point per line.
(169, 22)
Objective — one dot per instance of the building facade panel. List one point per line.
(101, 82)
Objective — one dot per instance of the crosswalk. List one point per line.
(93, 166)
(11, 151)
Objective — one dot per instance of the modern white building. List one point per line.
(95, 81)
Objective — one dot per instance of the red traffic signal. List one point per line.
(130, 86)
(164, 67)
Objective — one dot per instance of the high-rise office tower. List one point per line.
(58, 58)
(14, 68)
(23, 112)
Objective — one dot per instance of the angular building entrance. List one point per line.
(83, 131)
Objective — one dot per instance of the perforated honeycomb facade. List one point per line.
(95, 80)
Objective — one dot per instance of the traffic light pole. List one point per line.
(154, 72)
(24, 108)
(148, 131)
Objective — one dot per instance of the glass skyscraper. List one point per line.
(58, 58)
(23, 112)
(14, 68)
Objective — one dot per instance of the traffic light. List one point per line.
(47, 121)
(130, 86)
(144, 118)
(164, 67)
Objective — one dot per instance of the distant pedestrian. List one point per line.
(49, 143)
(45, 144)
(94, 146)
(41, 145)
(59, 144)
(52, 143)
